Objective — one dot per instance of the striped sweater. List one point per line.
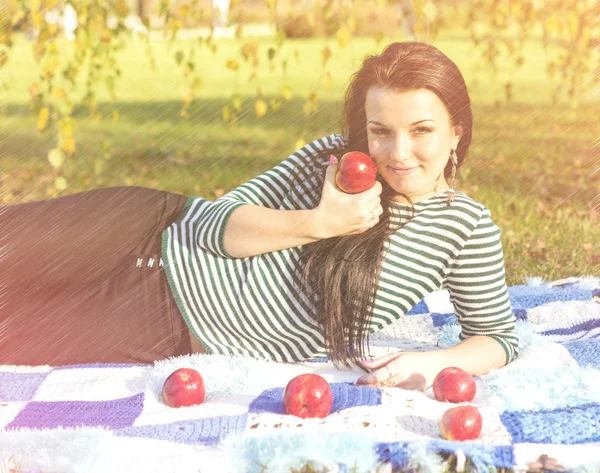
(245, 306)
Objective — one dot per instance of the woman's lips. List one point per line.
(401, 172)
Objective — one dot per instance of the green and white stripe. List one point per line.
(246, 306)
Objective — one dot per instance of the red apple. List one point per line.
(308, 395)
(461, 423)
(454, 385)
(356, 173)
(183, 387)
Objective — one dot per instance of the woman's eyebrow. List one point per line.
(415, 123)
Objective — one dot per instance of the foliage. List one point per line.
(102, 32)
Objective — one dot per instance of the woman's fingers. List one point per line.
(415, 382)
(376, 377)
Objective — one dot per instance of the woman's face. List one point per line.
(410, 130)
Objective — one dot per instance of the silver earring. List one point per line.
(452, 190)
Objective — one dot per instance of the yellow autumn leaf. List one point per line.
(271, 4)
(52, 29)
(236, 102)
(326, 53)
(552, 24)
(232, 64)
(98, 166)
(327, 80)
(226, 112)
(260, 108)
(430, 11)
(275, 104)
(197, 83)
(299, 144)
(66, 125)
(115, 117)
(51, 65)
(286, 91)
(56, 158)
(58, 95)
(184, 11)
(352, 24)
(60, 183)
(68, 145)
(310, 17)
(378, 37)
(419, 28)
(307, 108)
(184, 114)
(418, 6)
(42, 120)
(343, 37)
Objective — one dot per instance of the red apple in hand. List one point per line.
(356, 173)
(461, 423)
(183, 387)
(308, 395)
(454, 385)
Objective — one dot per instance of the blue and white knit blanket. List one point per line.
(543, 409)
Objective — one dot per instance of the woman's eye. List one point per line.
(426, 130)
(378, 131)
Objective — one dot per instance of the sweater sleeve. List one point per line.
(268, 190)
(477, 286)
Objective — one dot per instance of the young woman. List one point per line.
(285, 267)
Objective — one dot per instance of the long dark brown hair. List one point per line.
(340, 275)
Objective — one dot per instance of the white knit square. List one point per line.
(417, 416)
(92, 384)
(439, 302)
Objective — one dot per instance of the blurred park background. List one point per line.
(199, 96)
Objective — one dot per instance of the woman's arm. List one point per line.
(477, 355)
(252, 211)
(478, 291)
(479, 294)
(254, 230)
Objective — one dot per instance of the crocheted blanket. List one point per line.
(542, 411)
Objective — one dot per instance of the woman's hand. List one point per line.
(339, 213)
(406, 370)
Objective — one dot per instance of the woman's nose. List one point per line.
(401, 148)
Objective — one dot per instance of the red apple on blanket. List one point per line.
(356, 173)
(454, 385)
(183, 387)
(308, 395)
(461, 423)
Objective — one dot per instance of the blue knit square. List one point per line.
(419, 308)
(520, 314)
(585, 352)
(585, 327)
(440, 320)
(526, 297)
(482, 456)
(207, 431)
(345, 395)
(569, 425)
(396, 453)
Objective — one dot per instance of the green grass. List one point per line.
(532, 163)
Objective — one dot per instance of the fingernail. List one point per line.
(332, 159)
(359, 381)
